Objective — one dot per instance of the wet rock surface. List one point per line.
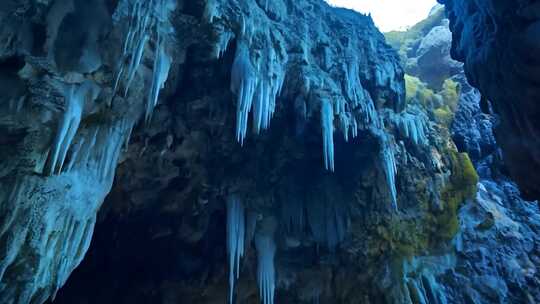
(496, 40)
(495, 254)
(164, 114)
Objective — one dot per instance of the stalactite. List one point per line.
(136, 39)
(211, 10)
(223, 43)
(327, 124)
(390, 170)
(266, 273)
(243, 84)
(235, 239)
(110, 149)
(255, 87)
(143, 16)
(413, 127)
(162, 65)
(74, 96)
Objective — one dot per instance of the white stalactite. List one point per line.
(256, 87)
(414, 127)
(390, 171)
(327, 124)
(235, 239)
(160, 73)
(243, 84)
(143, 16)
(223, 43)
(266, 273)
(74, 96)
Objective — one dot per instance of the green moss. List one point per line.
(463, 186)
(405, 237)
(450, 98)
(417, 90)
(444, 116)
(450, 94)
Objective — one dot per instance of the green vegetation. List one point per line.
(434, 224)
(413, 234)
(450, 93)
(417, 90)
(405, 236)
(443, 103)
(450, 96)
(463, 183)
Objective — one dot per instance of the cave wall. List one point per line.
(295, 108)
(498, 225)
(497, 41)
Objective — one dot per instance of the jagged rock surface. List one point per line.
(301, 75)
(495, 258)
(62, 133)
(472, 130)
(497, 41)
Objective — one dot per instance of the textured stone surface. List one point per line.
(61, 136)
(91, 69)
(175, 181)
(472, 130)
(495, 255)
(433, 56)
(497, 41)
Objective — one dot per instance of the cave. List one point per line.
(250, 151)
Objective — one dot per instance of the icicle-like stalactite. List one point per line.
(327, 124)
(223, 43)
(257, 84)
(162, 65)
(243, 84)
(353, 85)
(162, 60)
(266, 273)
(211, 10)
(67, 129)
(414, 127)
(235, 239)
(140, 19)
(98, 150)
(110, 149)
(390, 170)
(143, 16)
(74, 96)
(348, 123)
(58, 233)
(267, 92)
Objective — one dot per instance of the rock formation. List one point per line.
(498, 226)
(497, 41)
(245, 151)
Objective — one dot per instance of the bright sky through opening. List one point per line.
(390, 15)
